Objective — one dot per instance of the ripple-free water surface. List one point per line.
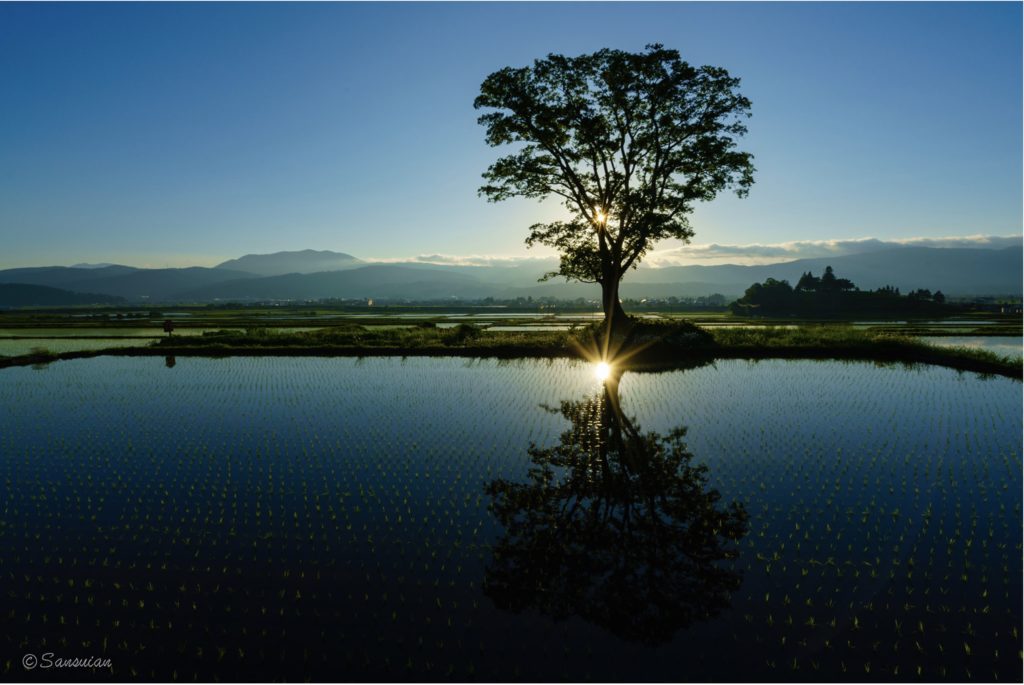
(1007, 346)
(290, 518)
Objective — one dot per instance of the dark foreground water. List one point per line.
(438, 519)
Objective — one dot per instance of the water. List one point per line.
(963, 322)
(152, 332)
(531, 327)
(14, 341)
(378, 519)
(90, 331)
(1007, 346)
(716, 324)
(15, 347)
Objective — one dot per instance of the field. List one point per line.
(983, 342)
(355, 519)
(255, 497)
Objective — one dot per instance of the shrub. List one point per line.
(463, 333)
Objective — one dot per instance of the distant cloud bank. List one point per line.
(473, 260)
(770, 253)
(711, 254)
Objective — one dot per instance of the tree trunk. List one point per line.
(614, 316)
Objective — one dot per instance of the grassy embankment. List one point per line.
(652, 344)
(844, 342)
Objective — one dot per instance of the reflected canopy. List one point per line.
(616, 526)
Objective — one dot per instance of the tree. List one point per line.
(771, 296)
(920, 294)
(828, 280)
(827, 283)
(616, 526)
(808, 282)
(627, 141)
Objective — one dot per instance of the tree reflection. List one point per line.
(615, 526)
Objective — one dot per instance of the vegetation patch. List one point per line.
(830, 295)
(676, 343)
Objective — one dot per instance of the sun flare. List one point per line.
(602, 371)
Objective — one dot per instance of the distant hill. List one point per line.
(300, 262)
(61, 276)
(954, 271)
(122, 281)
(25, 295)
(558, 288)
(378, 280)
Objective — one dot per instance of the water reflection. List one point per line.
(616, 526)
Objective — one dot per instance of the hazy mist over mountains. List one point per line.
(312, 275)
(302, 262)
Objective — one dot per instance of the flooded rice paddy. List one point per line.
(448, 519)
(20, 341)
(1003, 345)
(21, 346)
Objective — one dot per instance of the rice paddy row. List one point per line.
(328, 518)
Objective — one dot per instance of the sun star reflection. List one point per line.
(602, 371)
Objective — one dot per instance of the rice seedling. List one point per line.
(225, 516)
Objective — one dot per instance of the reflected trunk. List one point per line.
(616, 526)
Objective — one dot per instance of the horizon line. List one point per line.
(694, 254)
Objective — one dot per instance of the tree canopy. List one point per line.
(628, 141)
(617, 526)
(830, 295)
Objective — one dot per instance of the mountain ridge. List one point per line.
(24, 295)
(955, 271)
(293, 261)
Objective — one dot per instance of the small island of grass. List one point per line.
(640, 343)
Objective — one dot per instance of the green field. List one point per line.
(988, 340)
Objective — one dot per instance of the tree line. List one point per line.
(830, 295)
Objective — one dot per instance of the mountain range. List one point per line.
(300, 262)
(311, 275)
(23, 295)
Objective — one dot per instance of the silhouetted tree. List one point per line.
(808, 282)
(616, 526)
(628, 141)
(828, 279)
(772, 295)
(829, 282)
(920, 294)
(830, 296)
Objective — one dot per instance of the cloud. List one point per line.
(475, 260)
(715, 253)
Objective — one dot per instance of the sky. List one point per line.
(187, 134)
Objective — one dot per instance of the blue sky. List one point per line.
(178, 134)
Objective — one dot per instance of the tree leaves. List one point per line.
(636, 137)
